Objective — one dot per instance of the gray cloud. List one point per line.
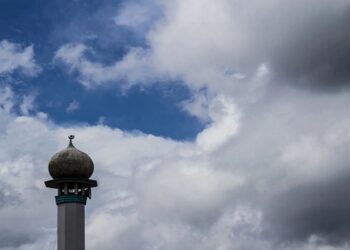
(313, 44)
(315, 208)
(9, 239)
(292, 150)
(304, 44)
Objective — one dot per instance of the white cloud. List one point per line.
(6, 99)
(134, 15)
(10, 101)
(28, 104)
(16, 57)
(73, 106)
(225, 123)
(133, 68)
(197, 106)
(71, 53)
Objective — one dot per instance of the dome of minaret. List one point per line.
(71, 163)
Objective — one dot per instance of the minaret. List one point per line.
(71, 170)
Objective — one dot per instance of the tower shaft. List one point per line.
(71, 226)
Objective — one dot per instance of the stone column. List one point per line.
(70, 222)
(71, 226)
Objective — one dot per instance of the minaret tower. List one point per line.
(71, 170)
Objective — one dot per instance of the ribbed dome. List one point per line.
(71, 163)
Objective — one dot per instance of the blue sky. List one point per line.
(155, 110)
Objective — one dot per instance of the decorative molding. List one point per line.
(70, 198)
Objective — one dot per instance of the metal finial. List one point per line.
(71, 137)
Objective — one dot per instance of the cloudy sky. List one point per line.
(213, 125)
